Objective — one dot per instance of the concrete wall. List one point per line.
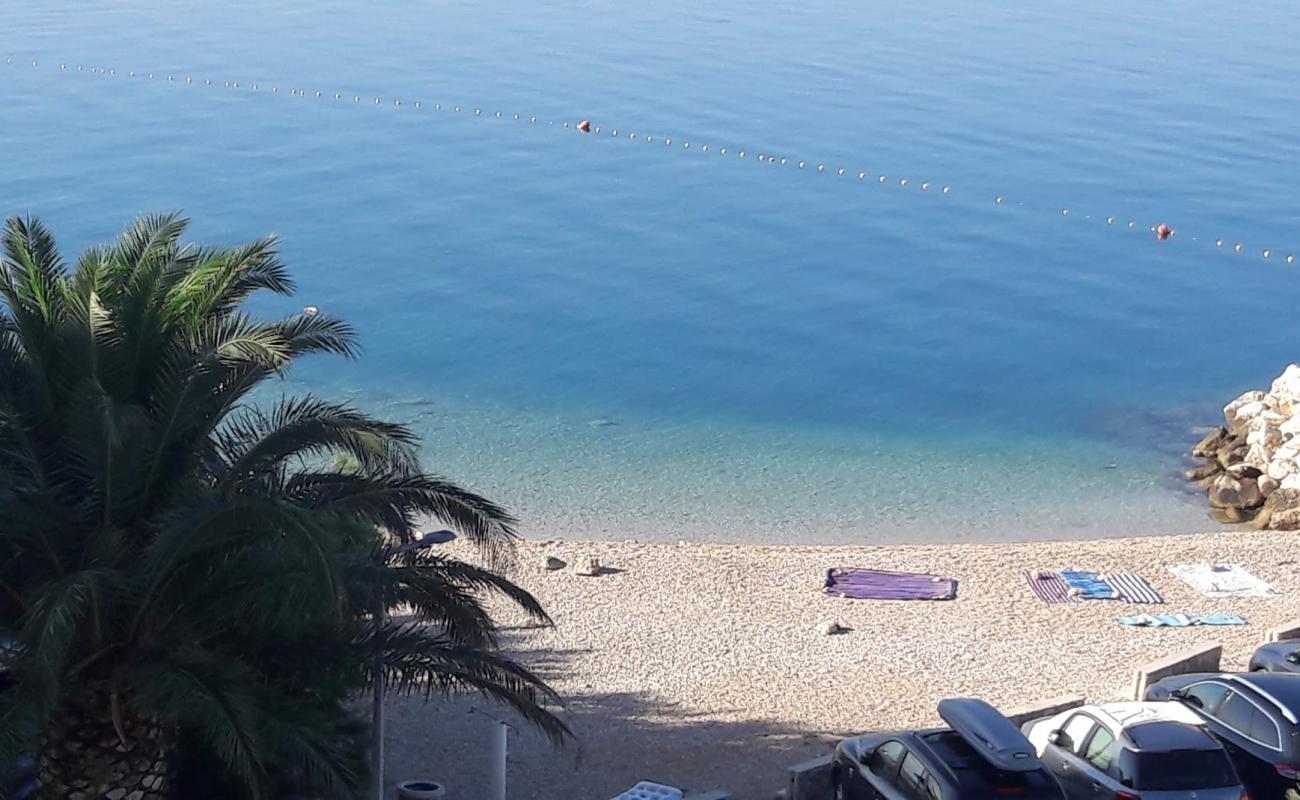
(1046, 708)
(1285, 632)
(811, 780)
(1197, 659)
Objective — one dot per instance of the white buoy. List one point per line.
(946, 190)
(862, 175)
(903, 182)
(821, 167)
(1065, 212)
(1290, 259)
(997, 199)
(722, 151)
(841, 170)
(1268, 253)
(1237, 247)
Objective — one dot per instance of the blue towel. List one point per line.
(1091, 584)
(1180, 620)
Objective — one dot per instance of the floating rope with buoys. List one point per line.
(1161, 231)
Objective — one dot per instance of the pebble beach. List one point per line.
(706, 666)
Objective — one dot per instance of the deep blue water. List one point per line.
(618, 337)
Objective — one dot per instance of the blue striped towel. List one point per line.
(1091, 586)
(1132, 588)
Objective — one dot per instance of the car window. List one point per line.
(912, 779)
(885, 759)
(1207, 696)
(1237, 713)
(1101, 749)
(1075, 733)
(1264, 730)
(932, 788)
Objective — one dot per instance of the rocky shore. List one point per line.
(1251, 466)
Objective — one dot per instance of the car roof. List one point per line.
(1282, 688)
(1166, 735)
(1125, 715)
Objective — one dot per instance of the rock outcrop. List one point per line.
(1251, 465)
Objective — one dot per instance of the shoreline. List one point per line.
(702, 666)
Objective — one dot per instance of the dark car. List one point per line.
(1276, 657)
(1254, 715)
(981, 755)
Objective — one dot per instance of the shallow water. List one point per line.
(624, 338)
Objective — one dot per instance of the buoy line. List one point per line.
(1160, 231)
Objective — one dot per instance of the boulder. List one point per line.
(1242, 417)
(1285, 391)
(1267, 485)
(1230, 410)
(1282, 499)
(1248, 494)
(1285, 520)
(1258, 456)
(1260, 432)
(1203, 471)
(1207, 447)
(1225, 492)
(1279, 468)
(1227, 456)
(1244, 470)
(1232, 515)
(1290, 482)
(1290, 428)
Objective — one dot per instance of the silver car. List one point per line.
(1134, 751)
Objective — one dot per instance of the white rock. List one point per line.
(1259, 432)
(831, 627)
(1243, 415)
(1280, 468)
(1290, 427)
(1230, 410)
(1258, 457)
(1290, 482)
(589, 566)
(1267, 484)
(1285, 391)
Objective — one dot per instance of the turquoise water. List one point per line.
(619, 338)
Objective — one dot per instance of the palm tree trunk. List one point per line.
(83, 758)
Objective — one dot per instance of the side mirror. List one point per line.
(1294, 657)
(1055, 738)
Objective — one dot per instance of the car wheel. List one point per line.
(837, 781)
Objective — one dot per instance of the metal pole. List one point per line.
(497, 770)
(377, 718)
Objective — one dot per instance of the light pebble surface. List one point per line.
(702, 666)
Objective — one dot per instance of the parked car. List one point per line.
(1276, 657)
(1129, 751)
(1255, 716)
(981, 755)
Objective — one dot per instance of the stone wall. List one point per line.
(1251, 466)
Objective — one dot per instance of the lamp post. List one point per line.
(377, 711)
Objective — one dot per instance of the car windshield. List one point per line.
(1183, 770)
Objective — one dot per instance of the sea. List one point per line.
(688, 324)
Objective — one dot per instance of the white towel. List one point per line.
(1222, 580)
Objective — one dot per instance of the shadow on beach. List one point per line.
(619, 738)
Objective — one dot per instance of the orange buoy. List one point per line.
(1163, 232)
(585, 126)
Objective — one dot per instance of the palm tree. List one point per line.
(187, 573)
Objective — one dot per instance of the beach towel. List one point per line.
(1180, 620)
(877, 584)
(1132, 588)
(1048, 586)
(1222, 580)
(1091, 586)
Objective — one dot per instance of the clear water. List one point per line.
(623, 338)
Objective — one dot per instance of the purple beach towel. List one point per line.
(878, 584)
